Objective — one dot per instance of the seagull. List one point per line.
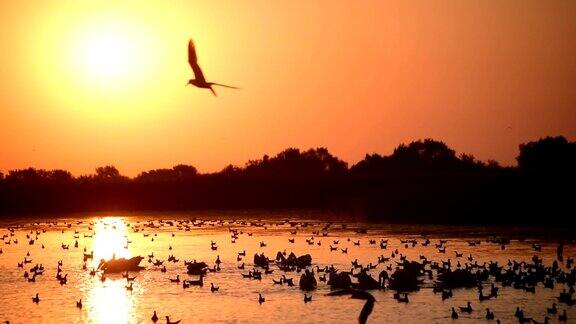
(199, 80)
(358, 294)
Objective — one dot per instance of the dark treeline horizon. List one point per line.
(424, 181)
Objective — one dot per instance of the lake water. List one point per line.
(190, 236)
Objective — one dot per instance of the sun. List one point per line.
(108, 55)
(112, 54)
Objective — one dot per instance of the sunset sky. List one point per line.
(91, 83)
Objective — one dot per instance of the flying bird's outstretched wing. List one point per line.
(193, 60)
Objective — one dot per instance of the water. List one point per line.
(237, 298)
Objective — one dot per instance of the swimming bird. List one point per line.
(454, 314)
(489, 314)
(168, 321)
(261, 299)
(154, 317)
(79, 304)
(552, 310)
(199, 80)
(563, 317)
(358, 294)
(288, 281)
(213, 288)
(307, 299)
(467, 309)
(36, 299)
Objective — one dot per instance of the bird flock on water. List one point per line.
(392, 270)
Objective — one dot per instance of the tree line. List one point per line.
(423, 181)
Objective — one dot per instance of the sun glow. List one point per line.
(110, 62)
(109, 55)
(110, 52)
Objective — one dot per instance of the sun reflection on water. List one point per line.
(110, 239)
(109, 301)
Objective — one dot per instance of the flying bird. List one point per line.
(358, 294)
(199, 80)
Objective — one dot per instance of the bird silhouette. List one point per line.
(358, 294)
(199, 80)
(170, 322)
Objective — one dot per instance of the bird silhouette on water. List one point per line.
(358, 294)
(199, 80)
(171, 322)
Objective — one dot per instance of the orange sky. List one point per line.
(83, 84)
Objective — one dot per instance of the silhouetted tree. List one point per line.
(61, 176)
(180, 172)
(418, 156)
(294, 163)
(427, 154)
(230, 170)
(38, 176)
(185, 171)
(551, 153)
(493, 164)
(29, 175)
(108, 174)
(372, 164)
